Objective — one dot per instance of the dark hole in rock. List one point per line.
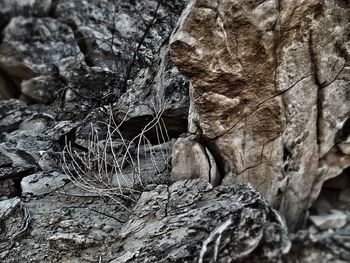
(134, 126)
(343, 133)
(83, 46)
(335, 194)
(10, 187)
(8, 87)
(11, 177)
(286, 154)
(217, 157)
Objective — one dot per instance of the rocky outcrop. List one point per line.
(12, 8)
(89, 76)
(92, 54)
(270, 92)
(192, 222)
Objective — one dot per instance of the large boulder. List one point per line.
(190, 221)
(270, 91)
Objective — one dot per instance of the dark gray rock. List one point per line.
(114, 38)
(12, 8)
(123, 36)
(25, 38)
(40, 89)
(190, 221)
(159, 87)
(322, 247)
(43, 183)
(12, 113)
(7, 207)
(14, 220)
(10, 179)
(5, 161)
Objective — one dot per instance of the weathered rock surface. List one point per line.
(12, 8)
(324, 247)
(50, 38)
(91, 53)
(191, 160)
(265, 79)
(270, 92)
(63, 228)
(190, 221)
(43, 183)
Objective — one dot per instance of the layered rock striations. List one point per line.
(270, 89)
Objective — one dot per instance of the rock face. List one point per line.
(93, 53)
(270, 92)
(269, 105)
(192, 222)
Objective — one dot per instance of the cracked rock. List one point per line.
(270, 91)
(192, 160)
(12, 8)
(190, 221)
(48, 37)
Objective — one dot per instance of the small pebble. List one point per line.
(107, 229)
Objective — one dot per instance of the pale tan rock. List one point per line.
(344, 148)
(270, 90)
(191, 160)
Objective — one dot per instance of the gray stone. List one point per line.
(12, 8)
(71, 241)
(191, 160)
(5, 161)
(43, 183)
(111, 32)
(335, 220)
(16, 172)
(107, 229)
(12, 113)
(192, 222)
(68, 223)
(40, 89)
(7, 207)
(48, 37)
(37, 123)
